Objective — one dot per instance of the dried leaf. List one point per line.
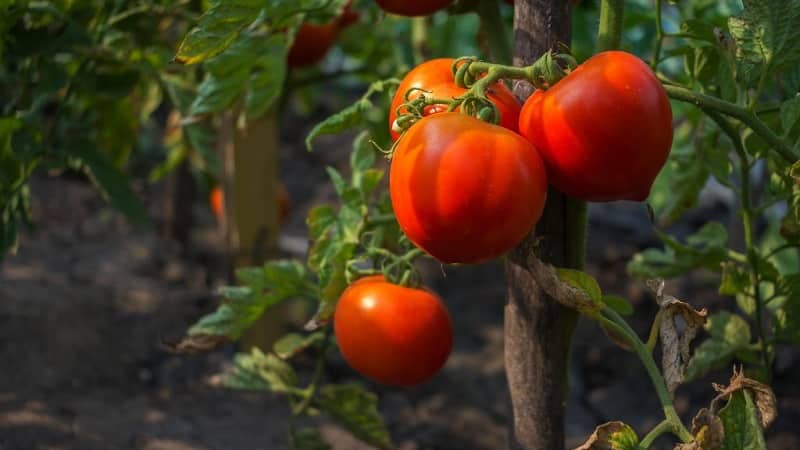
(565, 293)
(763, 395)
(678, 327)
(707, 430)
(611, 436)
(195, 344)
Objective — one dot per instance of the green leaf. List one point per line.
(618, 303)
(581, 280)
(735, 279)
(790, 114)
(267, 286)
(113, 183)
(705, 249)
(741, 423)
(729, 334)
(352, 115)
(294, 343)
(363, 155)
(787, 316)
(260, 372)
(320, 219)
(269, 74)
(356, 410)
(699, 29)
(766, 36)
(307, 439)
(217, 29)
(339, 183)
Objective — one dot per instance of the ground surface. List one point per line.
(87, 302)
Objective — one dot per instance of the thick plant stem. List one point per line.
(744, 115)
(538, 328)
(613, 320)
(496, 31)
(610, 31)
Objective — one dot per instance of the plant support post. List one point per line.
(537, 328)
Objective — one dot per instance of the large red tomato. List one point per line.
(412, 7)
(392, 334)
(464, 190)
(436, 76)
(604, 131)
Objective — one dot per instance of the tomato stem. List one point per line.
(665, 426)
(611, 319)
(609, 34)
(744, 115)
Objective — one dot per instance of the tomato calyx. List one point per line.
(396, 266)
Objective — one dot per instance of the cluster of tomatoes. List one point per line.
(467, 191)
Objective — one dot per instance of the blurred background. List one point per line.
(117, 240)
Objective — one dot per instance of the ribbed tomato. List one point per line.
(412, 8)
(392, 334)
(464, 190)
(604, 131)
(436, 76)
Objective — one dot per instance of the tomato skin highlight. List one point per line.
(392, 334)
(464, 190)
(604, 131)
(436, 76)
(412, 8)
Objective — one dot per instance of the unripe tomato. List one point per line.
(412, 8)
(464, 190)
(392, 334)
(436, 76)
(311, 43)
(604, 131)
(217, 201)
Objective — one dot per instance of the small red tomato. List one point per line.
(349, 16)
(604, 131)
(412, 8)
(311, 43)
(392, 334)
(464, 190)
(436, 76)
(216, 200)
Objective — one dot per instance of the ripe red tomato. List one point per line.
(464, 190)
(392, 334)
(311, 43)
(574, 2)
(217, 201)
(604, 131)
(436, 76)
(412, 8)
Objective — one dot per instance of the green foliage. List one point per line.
(707, 248)
(256, 371)
(307, 439)
(262, 288)
(742, 425)
(356, 410)
(729, 334)
(581, 280)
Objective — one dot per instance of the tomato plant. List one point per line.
(604, 131)
(381, 347)
(435, 79)
(463, 190)
(311, 43)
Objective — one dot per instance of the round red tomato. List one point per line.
(464, 190)
(311, 43)
(392, 334)
(604, 131)
(412, 8)
(436, 76)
